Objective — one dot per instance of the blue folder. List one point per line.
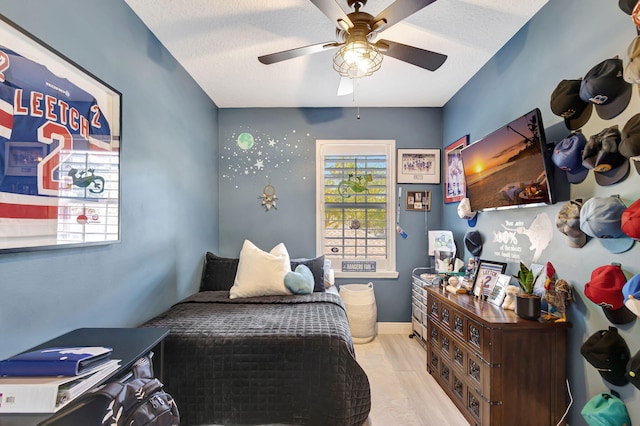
(62, 361)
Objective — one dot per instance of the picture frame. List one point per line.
(418, 201)
(486, 276)
(455, 187)
(499, 290)
(418, 166)
(60, 181)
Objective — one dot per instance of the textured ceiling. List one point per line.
(218, 43)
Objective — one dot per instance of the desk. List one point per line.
(129, 344)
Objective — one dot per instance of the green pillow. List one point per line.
(299, 281)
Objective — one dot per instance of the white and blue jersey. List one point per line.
(38, 106)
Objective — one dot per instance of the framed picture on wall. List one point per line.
(486, 276)
(455, 187)
(60, 181)
(419, 166)
(418, 201)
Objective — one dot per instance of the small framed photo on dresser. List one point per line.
(488, 272)
(499, 290)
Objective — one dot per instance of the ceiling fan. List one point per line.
(359, 53)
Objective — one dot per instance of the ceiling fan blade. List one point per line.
(334, 12)
(397, 11)
(346, 86)
(419, 57)
(294, 53)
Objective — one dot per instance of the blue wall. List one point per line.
(293, 175)
(176, 191)
(169, 183)
(563, 41)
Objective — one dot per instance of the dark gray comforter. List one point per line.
(275, 359)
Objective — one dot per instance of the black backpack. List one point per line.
(140, 400)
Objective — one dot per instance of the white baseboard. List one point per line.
(394, 328)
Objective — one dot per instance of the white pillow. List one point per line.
(261, 273)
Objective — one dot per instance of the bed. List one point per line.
(285, 359)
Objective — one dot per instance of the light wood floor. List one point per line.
(403, 393)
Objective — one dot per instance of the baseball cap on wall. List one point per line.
(601, 217)
(633, 370)
(465, 212)
(601, 154)
(568, 222)
(631, 294)
(605, 290)
(567, 156)
(630, 220)
(627, 5)
(607, 351)
(630, 141)
(605, 87)
(566, 102)
(473, 242)
(606, 409)
(631, 73)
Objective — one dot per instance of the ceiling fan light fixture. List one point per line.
(357, 58)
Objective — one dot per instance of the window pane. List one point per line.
(355, 197)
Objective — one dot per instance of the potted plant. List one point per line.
(527, 303)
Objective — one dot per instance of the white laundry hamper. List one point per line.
(362, 312)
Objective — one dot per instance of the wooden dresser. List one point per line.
(497, 368)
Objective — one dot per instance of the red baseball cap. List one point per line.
(605, 290)
(630, 220)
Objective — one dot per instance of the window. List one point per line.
(355, 206)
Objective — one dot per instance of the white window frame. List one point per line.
(358, 147)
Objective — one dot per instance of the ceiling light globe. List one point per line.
(357, 58)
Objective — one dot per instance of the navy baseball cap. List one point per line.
(566, 102)
(601, 218)
(601, 154)
(473, 242)
(567, 156)
(605, 87)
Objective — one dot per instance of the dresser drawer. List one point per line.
(433, 334)
(478, 338)
(459, 325)
(433, 309)
(477, 374)
(433, 361)
(446, 316)
(458, 388)
(458, 356)
(475, 406)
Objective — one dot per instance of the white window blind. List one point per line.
(356, 209)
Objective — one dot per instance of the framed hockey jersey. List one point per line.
(59, 148)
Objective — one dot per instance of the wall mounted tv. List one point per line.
(510, 167)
